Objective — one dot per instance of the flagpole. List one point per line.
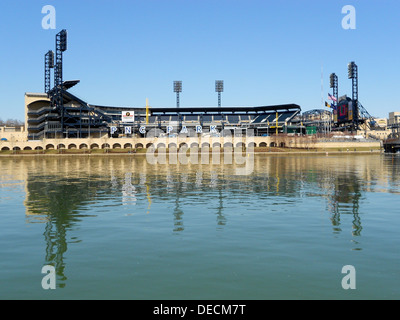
(322, 91)
(322, 85)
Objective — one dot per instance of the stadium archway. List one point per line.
(216, 145)
(172, 145)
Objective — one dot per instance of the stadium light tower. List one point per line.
(177, 90)
(219, 87)
(335, 87)
(353, 75)
(61, 46)
(48, 64)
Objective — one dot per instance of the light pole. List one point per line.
(177, 90)
(219, 87)
(353, 75)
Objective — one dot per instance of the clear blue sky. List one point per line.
(267, 52)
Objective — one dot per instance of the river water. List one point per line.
(119, 227)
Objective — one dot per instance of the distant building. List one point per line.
(379, 130)
(394, 124)
(394, 118)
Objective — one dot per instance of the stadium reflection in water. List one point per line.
(61, 192)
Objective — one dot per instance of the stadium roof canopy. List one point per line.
(225, 110)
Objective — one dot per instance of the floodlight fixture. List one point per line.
(351, 68)
(177, 86)
(51, 58)
(219, 86)
(63, 40)
(332, 80)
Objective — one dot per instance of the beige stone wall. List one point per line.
(13, 134)
(295, 142)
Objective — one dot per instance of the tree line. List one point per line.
(11, 123)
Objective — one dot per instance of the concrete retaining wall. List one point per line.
(176, 142)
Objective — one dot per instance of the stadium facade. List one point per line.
(83, 120)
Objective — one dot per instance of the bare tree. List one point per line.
(12, 123)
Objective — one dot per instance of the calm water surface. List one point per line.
(117, 227)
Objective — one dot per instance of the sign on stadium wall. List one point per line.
(169, 129)
(128, 116)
